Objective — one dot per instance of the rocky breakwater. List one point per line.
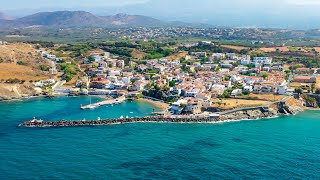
(153, 119)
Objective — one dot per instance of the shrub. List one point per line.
(21, 63)
(44, 68)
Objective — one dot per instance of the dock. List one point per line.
(104, 103)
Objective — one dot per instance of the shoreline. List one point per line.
(312, 109)
(161, 105)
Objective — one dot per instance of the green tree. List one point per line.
(299, 91)
(44, 67)
(226, 94)
(91, 59)
(172, 83)
(265, 76)
(184, 67)
(183, 106)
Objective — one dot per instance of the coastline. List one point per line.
(242, 115)
(312, 109)
(163, 106)
(31, 97)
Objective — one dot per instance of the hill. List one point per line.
(132, 20)
(19, 60)
(60, 18)
(84, 19)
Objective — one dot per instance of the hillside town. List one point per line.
(189, 84)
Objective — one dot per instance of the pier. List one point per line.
(105, 102)
(151, 119)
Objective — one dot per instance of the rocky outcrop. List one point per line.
(312, 101)
(11, 92)
(249, 114)
(289, 107)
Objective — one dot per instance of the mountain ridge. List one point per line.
(85, 19)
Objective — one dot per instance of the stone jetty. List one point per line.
(105, 102)
(153, 119)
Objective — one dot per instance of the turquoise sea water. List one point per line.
(281, 148)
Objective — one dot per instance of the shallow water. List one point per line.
(280, 148)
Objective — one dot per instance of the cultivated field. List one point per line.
(177, 56)
(274, 49)
(238, 48)
(267, 97)
(237, 103)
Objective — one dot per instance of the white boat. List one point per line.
(131, 112)
(36, 120)
(121, 117)
(91, 106)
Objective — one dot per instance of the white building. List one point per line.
(236, 92)
(283, 89)
(245, 60)
(191, 93)
(262, 60)
(231, 56)
(176, 106)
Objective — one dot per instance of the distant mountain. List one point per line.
(4, 17)
(60, 18)
(132, 20)
(84, 19)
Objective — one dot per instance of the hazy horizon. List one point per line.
(297, 14)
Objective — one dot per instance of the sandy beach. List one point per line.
(163, 106)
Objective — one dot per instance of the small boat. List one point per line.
(131, 112)
(99, 119)
(121, 117)
(36, 120)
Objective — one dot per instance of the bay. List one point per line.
(282, 148)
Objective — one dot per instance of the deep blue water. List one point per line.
(281, 148)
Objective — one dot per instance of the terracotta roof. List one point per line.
(304, 77)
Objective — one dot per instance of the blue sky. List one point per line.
(242, 13)
(19, 4)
